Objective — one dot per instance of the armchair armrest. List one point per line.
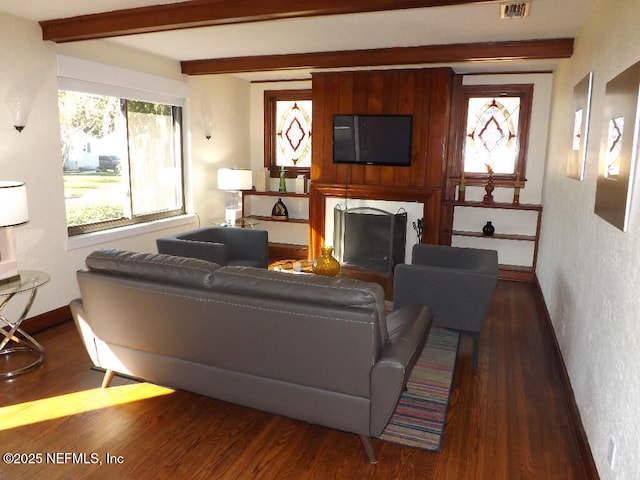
(408, 331)
(212, 252)
(243, 243)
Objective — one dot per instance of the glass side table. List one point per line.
(10, 331)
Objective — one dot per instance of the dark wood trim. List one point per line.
(428, 54)
(515, 273)
(573, 413)
(509, 72)
(158, 18)
(289, 251)
(47, 319)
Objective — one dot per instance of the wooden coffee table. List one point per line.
(385, 280)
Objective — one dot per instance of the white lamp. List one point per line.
(233, 180)
(13, 212)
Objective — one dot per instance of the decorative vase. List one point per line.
(279, 211)
(283, 182)
(488, 198)
(325, 264)
(488, 229)
(462, 186)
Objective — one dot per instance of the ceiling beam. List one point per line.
(465, 52)
(203, 13)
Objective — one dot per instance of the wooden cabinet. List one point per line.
(516, 236)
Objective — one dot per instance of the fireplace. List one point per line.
(369, 238)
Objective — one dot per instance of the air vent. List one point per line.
(511, 10)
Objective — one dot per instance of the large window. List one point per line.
(287, 131)
(122, 160)
(493, 132)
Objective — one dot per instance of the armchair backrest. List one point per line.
(458, 258)
(223, 245)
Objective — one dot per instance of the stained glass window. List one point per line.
(492, 131)
(492, 134)
(287, 131)
(293, 133)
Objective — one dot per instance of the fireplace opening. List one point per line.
(369, 238)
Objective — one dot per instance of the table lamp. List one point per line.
(13, 212)
(232, 181)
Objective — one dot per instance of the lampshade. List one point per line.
(13, 204)
(234, 179)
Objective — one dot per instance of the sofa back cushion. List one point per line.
(309, 289)
(188, 272)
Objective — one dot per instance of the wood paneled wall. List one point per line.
(423, 93)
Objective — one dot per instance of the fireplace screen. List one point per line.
(369, 238)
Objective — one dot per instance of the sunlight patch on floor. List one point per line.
(74, 403)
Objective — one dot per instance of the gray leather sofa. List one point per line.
(318, 349)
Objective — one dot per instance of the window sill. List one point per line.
(95, 238)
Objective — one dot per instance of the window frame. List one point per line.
(75, 230)
(271, 128)
(95, 78)
(525, 93)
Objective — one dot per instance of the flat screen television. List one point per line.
(372, 139)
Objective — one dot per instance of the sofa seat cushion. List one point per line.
(188, 272)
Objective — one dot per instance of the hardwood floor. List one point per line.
(506, 421)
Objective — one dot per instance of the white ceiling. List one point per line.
(400, 28)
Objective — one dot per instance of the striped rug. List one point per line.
(420, 416)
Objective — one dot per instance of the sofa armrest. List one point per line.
(408, 331)
(86, 334)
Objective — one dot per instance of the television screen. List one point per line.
(372, 139)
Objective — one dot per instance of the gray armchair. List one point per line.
(457, 283)
(222, 245)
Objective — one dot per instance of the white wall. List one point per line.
(33, 156)
(589, 270)
(226, 100)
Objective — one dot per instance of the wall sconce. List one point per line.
(13, 212)
(233, 181)
(207, 126)
(19, 112)
(19, 99)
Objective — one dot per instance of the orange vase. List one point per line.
(325, 264)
